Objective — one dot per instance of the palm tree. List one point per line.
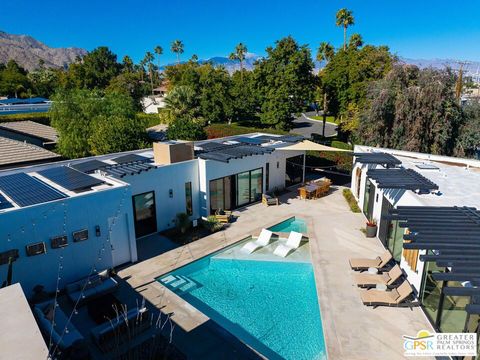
(326, 53)
(127, 63)
(148, 61)
(355, 41)
(239, 54)
(345, 19)
(177, 48)
(181, 103)
(159, 51)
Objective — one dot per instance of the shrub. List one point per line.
(42, 118)
(182, 222)
(212, 224)
(347, 194)
(149, 119)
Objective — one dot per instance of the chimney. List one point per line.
(170, 152)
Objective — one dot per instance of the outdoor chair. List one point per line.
(394, 298)
(303, 193)
(378, 263)
(293, 242)
(223, 216)
(269, 200)
(371, 280)
(323, 188)
(263, 240)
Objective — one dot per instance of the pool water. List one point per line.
(270, 305)
(292, 224)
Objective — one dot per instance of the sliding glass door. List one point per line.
(395, 239)
(144, 214)
(243, 188)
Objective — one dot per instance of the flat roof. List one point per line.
(31, 128)
(458, 179)
(20, 337)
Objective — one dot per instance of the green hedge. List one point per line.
(151, 119)
(347, 194)
(42, 118)
(221, 130)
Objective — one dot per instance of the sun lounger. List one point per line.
(263, 240)
(293, 242)
(387, 278)
(379, 262)
(395, 298)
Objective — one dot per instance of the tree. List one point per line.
(239, 54)
(44, 81)
(325, 53)
(92, 123)
(13, 79)
(148, 61)
(468, 140)
(215, 98)
(285, 82)
(345, 19)
(355, 41)
(127, 63)
(177, 48)
(159, 51)
(186, 129)
(181, 102)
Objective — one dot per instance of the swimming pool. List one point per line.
(270, 305)
(292, 224)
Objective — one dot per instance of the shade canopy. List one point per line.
(306, 145)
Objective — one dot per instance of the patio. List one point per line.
(352, 330)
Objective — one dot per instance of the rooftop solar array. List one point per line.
(379, 158)
(427, 167)
(133, 168)
(89, 166)
(26, 190)
(227, 152)
(451, 235)
(129, 158)
(4, 203)
(401, 178)
(69, 178)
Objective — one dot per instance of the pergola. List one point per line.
(401, 178)
(380, 158)
(452, 234)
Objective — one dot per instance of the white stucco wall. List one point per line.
(39, 223)
(161, 180)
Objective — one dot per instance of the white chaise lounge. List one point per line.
(263, 240)
(293, 242)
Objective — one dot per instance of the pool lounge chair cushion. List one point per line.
(98, 285)
(378, 262)
(263, 240)
(293, 242)
(395, 297)
(387, 278)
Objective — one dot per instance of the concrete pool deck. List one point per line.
(352, 330)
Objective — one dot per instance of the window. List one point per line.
(188, 198)
(58, 242)
(267, 176)
(36, 249)
(4, 256)
(395, 239)
(80, 235)
(453, 316)
(216, 195)
(431, 290)
(256, 182)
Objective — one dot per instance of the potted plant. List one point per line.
(371, 228)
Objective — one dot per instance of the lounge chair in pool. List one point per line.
(378, 263)
(293, 242)
(370, 280)
(395, 298)
(263, 240)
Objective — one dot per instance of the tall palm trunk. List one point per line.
(324, 112)
(344, 38)
(178, 58)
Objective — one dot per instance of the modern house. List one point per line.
(86, 214)
(426, 208)
(153, 103)
(18, 106)
(16, 153)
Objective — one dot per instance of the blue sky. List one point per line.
(414, 29)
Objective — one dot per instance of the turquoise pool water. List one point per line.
(292, 224)
(272, 306)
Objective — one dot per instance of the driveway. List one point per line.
(305, 126)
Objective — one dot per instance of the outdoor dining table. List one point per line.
(311, 190)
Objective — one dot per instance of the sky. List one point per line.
(420, 29)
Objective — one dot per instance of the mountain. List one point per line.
(27, 52)
(472, 68)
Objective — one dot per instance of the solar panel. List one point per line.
(427, 166)
(129, 158)
(69, 178)
(4, 204)
(26, 190)
(252, 141)
(89, 166)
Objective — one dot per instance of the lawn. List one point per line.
(329, 119)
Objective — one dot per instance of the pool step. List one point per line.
(179, 283)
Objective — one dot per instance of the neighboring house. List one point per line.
(15, 154)
(426, 207)
(18, 106)
(30, 132)
(151, 104)
(128, 196)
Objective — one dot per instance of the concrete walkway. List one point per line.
(352, 330)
